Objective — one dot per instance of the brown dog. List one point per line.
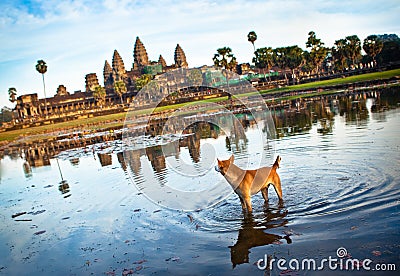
(246, 183)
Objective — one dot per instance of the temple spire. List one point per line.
(161, 61)
(140, 57)
(107, 74)
(180, 57)
(118, 67)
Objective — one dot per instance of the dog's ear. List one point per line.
(232, 158)
(278, 161)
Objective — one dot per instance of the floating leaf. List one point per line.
(127, 272)
(174, 259)
(140, 261)
(376, 253)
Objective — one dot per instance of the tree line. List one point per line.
(344, 55)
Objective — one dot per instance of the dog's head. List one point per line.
(277, 161)
(223, 165)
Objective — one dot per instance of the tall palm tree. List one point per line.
(120, 88)
(12, 93)
(225, 58)
(252, 37)
(318, 51)
(353, 48)
(372, 46)
(41, 67)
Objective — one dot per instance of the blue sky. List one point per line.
(75, 37)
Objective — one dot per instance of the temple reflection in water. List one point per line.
(295, 117)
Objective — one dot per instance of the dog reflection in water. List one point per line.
(252, 234)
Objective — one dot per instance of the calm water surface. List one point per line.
(81, 214)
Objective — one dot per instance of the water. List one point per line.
(340, 180)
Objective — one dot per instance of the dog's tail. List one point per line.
(277, 162)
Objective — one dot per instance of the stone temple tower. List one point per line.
(118, 67)
(108, 75)
(91, 82)
(161, 61)
(180, 57)
(140, 57)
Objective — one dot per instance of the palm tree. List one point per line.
(99, 94)
(120, 88)
(372, 46)
(291, 57)
(280, 59)
(339, 54)
(12, 93)
(143, 81)
(41, 67)
(225, 58)
(264, 59)
(353, 48)
(295, 59)
(318, 51)
(252, 37)
(308, 65)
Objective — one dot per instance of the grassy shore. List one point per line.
(117, 120)
(339, 81)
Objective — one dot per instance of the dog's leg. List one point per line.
(243, 203)
(248, 203)
(277, 186)
(264, 192)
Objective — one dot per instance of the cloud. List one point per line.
(76, 36)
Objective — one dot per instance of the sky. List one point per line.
(75, 37)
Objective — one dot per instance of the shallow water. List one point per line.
(87, 212)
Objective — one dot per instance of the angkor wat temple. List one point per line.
(30, 108)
